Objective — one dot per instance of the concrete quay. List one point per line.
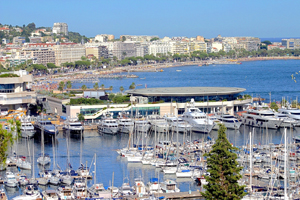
(175, 195)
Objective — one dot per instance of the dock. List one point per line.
(175, 195)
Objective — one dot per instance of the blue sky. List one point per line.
(264, 18)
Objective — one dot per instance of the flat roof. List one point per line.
(186, 91)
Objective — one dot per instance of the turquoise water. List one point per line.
(259, 78)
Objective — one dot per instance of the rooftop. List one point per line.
(185, 91)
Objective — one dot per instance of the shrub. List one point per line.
(8, 75)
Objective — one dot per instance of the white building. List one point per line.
(68, 53)
(15, 92)
(60, 28)
(159, 47)
(217, 46)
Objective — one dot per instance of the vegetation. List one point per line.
(153, 39)
(61, 86)
(80, 117)
(119, 98)
(274, 106)
(121, 89)
(83, 87)
(224, 170)
(8, 75)
(69, 84)
(7, 138)
(86, 101)
(132, 86)
(52, 66)
(96, 86)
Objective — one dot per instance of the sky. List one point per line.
(259, 18)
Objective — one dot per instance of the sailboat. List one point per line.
(44, 159)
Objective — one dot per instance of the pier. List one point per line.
(175, 195)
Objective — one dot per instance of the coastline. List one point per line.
(268, 58)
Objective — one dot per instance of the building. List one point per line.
(159, 47)
(291, 43)
(104, 38)
(35, 39)
(217, 46)
(275, 46)
(19, 40)
(59, 28)
(43, 55)
(200, 38)
(141, 49)
(123, 49)
(15, 92)
(68, 52)
(164, 101)
(99, 52)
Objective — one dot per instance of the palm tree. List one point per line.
(110, 87)
(121, 89)
(83, 87)
(102, 86)
(69, 84)
(61, 86)
(132, 86)
(96, 86)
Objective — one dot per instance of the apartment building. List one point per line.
(19, 40)
(159, 47)
(104, 38)
(291, 43)
(15, 92)
(68, 52)
(123, 49)
(138, 38)
(141, 49)
(59, 28)
(197, 46)
(99, 52)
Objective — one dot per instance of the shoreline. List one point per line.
(268, 58)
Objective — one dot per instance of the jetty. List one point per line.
(175, 195)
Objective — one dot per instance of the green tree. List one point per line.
(224, 171)
(110, 88)
(69, 84)
(123, 38)
(83, 87)
(274, 106)
(132, 86)
(96, 86)
(102, 86)
(121, 89)
(7, 138)
(111, 96)
(80, 117)
(153, 39)
(61, 86)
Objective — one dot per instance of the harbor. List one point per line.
(148, 145)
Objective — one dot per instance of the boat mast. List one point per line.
(285, 166)
(251, 163)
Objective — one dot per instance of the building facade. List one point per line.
(15, 92)
(123, 49)
(59, 28)
(68, 53)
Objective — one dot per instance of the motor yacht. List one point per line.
(64, 193)
(98, 191)
(31, 192)
(153, 186)
(158, 123)
(287, 122)
(292, 113)
(125, 125)
(229, 121)
(46, 126)
(3, 195)
(261, 118)
(169, 186)
(108, 126)
(50, 195)
(73, 126)
(10, 180)
(177, 124)
(199, 121)
(142, 126)
(27, 129)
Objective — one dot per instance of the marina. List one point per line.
(146, 145)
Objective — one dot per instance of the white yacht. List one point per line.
(64, 192)
(153, 186)
(169, 186)
(27, 129)
(30, 193)
(177, 124)
(229, 121)
(292, 113)
(199, 121)
(10, 180)
(98, 191)
(73, 125)
(261, 118)
(44, 159)
(108, 126)
(287, 122)
(142, 126)
(125, 125)
(158, 123)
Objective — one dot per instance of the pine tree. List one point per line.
(224, 171)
